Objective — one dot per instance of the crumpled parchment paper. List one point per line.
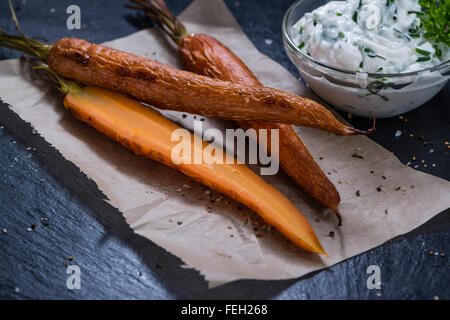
(221, 240)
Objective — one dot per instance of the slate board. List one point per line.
(37, 185)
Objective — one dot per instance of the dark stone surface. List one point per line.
(38, 184)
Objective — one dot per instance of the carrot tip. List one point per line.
(353, 131)
(374, 123)
(320, 250)
(339, 217)
(324, 253)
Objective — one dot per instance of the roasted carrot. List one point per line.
(207, 56)
(165, 87)
(148, 133)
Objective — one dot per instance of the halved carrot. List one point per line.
(148, 133)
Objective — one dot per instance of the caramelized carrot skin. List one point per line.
(168, 88)
(205, 55)
(146, 132)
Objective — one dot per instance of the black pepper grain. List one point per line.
(356, 155)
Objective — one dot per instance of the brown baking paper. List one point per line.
(218, 239)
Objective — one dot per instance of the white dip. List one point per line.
(379, 36)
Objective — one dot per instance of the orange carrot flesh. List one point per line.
(148, 133)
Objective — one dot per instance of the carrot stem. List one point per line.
(63, 85)
(38, 50)
(158, 12)
(23, 43)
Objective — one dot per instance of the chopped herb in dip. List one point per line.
(383, 36)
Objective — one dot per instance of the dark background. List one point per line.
(37, 186)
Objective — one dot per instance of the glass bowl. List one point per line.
(385, 95)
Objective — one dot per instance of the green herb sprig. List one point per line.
(436, 20)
